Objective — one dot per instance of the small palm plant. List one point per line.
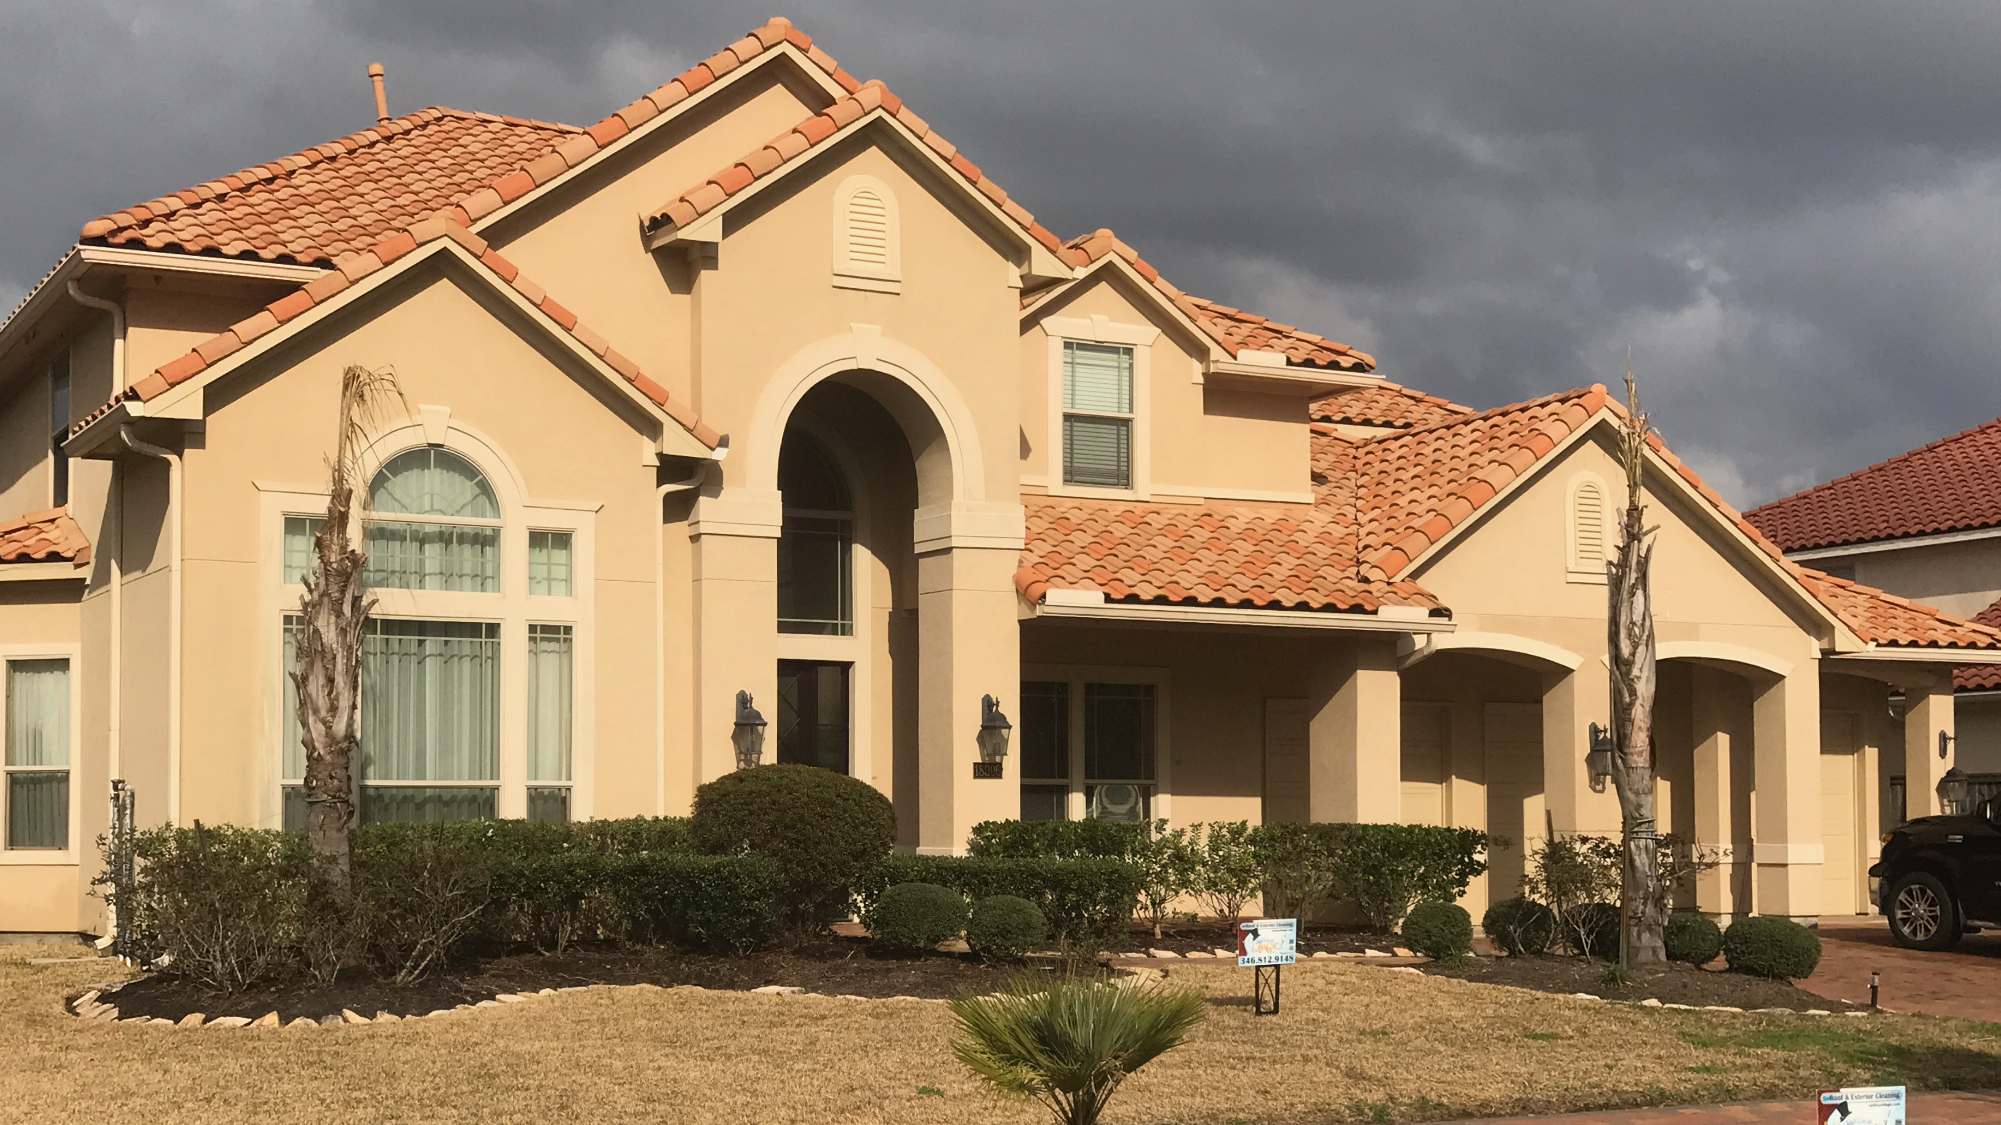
(1069, 1043)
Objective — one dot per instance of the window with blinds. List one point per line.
(37, 754)
(448, 533)
(430, 720)
(1097, 414)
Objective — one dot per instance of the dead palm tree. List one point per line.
(334, 614)
(1630, 624)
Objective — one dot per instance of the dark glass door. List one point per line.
(813, 713)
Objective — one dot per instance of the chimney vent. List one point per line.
(381, 95)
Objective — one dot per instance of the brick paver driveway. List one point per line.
(1925, 1109)
(1963, 982)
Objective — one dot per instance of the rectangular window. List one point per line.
(59, 428)
(430, 720)
(1118, 751)
(301, 556)
(1097, 414)
(815, 586)
(407, 555)
(37, 754)
(813, 713)
(292, 743)
(549, 564)
(550, 677)
(1044, 740)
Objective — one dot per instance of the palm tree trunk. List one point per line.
(1630, 627)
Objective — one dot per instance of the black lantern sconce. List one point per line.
(1598, 759)
(748, 735)
(1952, 793)
(1944, 746)
(993, 736)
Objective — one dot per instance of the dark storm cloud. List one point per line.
(1786, 210)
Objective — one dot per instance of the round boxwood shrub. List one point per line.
(823, 828)
(1778, 948)
(1592, 930)
(1520, 926)
(1005, 928)
(1441, 931)
(1693, 939)
(914, 917)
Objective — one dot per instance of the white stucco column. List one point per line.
(968, 646)
(736, 620)
(1787, 848)
(1927, 712)
(1571, 702)
(1354, 738)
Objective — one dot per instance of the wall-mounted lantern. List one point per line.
(1598, 760)
(1952, 793)
(1944, 746)
(992, 739)
(748, 735)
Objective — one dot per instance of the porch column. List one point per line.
(1927, 712)
(1571, 702)
(1787, 849)
(1721, 724)
(736, 621)
(968, 646)
(1354, 740)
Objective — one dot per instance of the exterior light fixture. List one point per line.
(1599, 759)
(1952, 792)
(748, 735)
(993, 736)
(1944, 746)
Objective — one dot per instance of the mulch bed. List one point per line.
(834, 966)
(1670, 984)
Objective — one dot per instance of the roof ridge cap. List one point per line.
(1579, 393)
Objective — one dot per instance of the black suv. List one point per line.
(1939, 875)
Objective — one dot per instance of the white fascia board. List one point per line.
(253, 269)
(1892, 654)
(1908, 543)
(1084, 609)
(43, 572)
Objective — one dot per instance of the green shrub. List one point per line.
(1520, 926)
(223, 904)
(823, 828)
(427, 889)
(1058, 839)
(546, 899)
(1569, 871)
(1766, 946)
(1087, 902)
(1441, 931)
(1693, 939)
(1591, 929)
(1164, 863)
(1295, 865)
(1385, 869)
(1005, 928)
(915, 917)
(1227, 874)
(725, 904)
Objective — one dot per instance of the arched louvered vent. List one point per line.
(868, 230)
(1588, 525)
(866, 251)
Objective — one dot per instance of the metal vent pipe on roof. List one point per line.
(375, 73)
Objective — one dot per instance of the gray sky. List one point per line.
(1787, 210)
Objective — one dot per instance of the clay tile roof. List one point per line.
(799, 143)
(1389, 405)
(50, 536)
(1886, 619)
(351, 268)
(1247, 557)
(1234, 329)
(1981, 677)
(1953, 484)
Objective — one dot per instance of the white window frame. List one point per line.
(1100, 329)
(513, 608)
(1078, 675)
(69, 854)
(1576, 568)
(869, 277)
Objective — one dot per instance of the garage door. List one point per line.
(1840, 816)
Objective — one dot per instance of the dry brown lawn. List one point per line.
(1353, 1044)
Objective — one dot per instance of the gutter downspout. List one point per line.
(115, 515)
(660, 625)
(174, 498)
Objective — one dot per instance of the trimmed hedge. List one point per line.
(1088, 902)
(823, 828)
(1005, 928)
(1693, 939)
(1520, 926)
(1056, 839)
(915, 917)
(1773, 947)
(1388, 868)
(1442, 931)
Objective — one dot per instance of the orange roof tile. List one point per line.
(1387, 404)
(1240, 556)
(800, 141)
(353, 267)
(1981, 677)
(1953, 484)
(50, 536)
(1886, 619)
(1234, 329)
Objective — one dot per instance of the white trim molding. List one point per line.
(1713, 652)
(1503, 646)
(1100, 329)
(70, 855)
(1078, 604)
(1909, 543)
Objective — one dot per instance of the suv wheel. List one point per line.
(1922, 913)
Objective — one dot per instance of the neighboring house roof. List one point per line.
(1388, 405)
(1953, 484)
(1246, 556)
(1981, 677)
(351, 268)
(1233, 329)
(1886, 619)
(50, 536)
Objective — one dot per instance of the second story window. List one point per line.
(1097, 414)
(816, 546)
(58, 427)
(435, 525)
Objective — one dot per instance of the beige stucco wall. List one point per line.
(24, 443)
(1959, 578)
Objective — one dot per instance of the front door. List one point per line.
(813, 713)
(1840, 815)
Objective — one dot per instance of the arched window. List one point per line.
(1587, 527)
(868, 251)
(815, 547)
(447, 534)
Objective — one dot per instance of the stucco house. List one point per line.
(761, 385)
(1924, 525)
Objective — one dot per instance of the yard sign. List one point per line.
(1862, 1105)
(1267, 945)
